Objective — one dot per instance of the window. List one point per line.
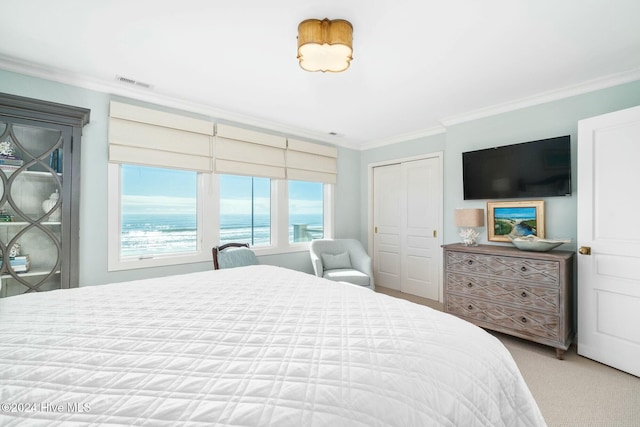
(171, 200)
(158, 211)
(156, 217)
(245, 210)
(161, 216)
(306, 211)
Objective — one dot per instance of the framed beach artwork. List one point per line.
(521, 218)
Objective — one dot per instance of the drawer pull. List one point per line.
(469, 285)
(523, 294)
(470, 307)
(523, 319)
(523, 268)
(470, 262)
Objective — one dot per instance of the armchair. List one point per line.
(342, 260)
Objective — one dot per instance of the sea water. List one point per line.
(147, 234)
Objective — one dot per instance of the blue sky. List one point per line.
(145, 189)
(141, 180)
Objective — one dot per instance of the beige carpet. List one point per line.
(574, 392)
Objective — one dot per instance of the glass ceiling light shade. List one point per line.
(325, 45)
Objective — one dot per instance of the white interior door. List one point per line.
(608, 204)
(386, 237)
(421, 253)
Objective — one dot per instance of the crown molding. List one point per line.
(435, 130)
(549, 96)
(147, 95)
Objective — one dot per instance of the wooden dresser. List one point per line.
(521, 293)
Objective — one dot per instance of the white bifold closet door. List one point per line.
(407, 210)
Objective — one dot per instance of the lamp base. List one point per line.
(469, 237)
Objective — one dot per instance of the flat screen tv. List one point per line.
(529, 169)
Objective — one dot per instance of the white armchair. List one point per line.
(342, 260)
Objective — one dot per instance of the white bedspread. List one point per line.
(253, 346)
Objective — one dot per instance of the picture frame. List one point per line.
(520, 218)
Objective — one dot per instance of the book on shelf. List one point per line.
(19, 264)
(11, 161)
(55, 160)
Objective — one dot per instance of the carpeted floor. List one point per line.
(574, 392)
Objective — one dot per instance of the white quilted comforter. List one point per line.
(252, 346)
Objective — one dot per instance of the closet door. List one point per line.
(407, 215)
(421, 253)
(386, 237)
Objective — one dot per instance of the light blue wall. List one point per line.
(93, 194)
(351, 198)
(542, 121)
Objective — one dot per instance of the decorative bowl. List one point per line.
(533, 243)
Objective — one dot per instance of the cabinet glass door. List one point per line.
(32, 205)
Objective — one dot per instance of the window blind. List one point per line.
(149, 137)
(246, 152)
(307, 161)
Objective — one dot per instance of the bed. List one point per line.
(250, 346)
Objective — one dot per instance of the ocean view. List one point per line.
(167, 233)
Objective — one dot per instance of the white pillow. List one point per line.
(332, 262)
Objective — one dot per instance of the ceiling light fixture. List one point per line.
(325, 45)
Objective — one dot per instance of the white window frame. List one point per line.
(280, 219)
(208, 223)
(207, 231)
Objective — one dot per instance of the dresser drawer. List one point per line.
(501, 317)
(532, 270)
(504, 291)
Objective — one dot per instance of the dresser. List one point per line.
(520, 293)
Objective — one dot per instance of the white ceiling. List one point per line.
(418, 65)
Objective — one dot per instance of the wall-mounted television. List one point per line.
(529, 169)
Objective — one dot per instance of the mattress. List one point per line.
(249, 346)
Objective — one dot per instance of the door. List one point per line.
(35, 194)
(407, 206)
(420, 260)
(386, 237)
(608, 276)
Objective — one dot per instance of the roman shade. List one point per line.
(246, 152)
(149, 137)
(311, 162)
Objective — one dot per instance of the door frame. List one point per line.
(438, 155)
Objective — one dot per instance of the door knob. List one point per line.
(585, 250)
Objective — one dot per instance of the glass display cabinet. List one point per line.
(39, 194)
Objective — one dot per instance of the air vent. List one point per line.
(133, 82)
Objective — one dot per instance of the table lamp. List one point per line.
(467, 220)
